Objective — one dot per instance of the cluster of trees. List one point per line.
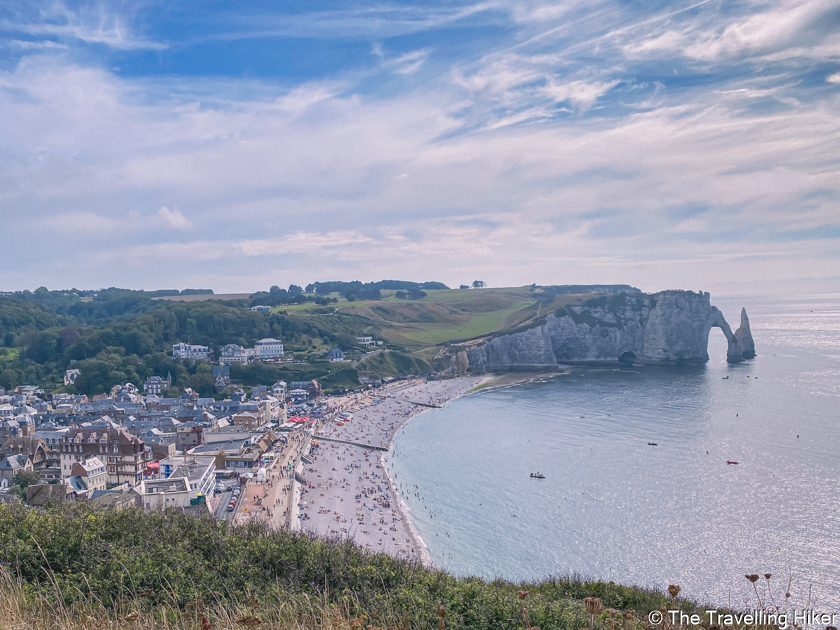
(413, 294)
(370, 290)
(98, 306)
(276, 296)
(133, 343)
(317, 292)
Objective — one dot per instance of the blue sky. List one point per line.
(240, 145)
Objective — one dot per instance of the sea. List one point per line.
(638, 487)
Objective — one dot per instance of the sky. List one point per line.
(239, 145)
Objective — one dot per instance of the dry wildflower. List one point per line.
(593, 605)
(132, 616)
(767, 576)
(441, 612)
(629, 614)
(522, 594)
(674, 590)
(357, 622)
(612, 612)
(752, 577)
(205, 623)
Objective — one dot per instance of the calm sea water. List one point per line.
(611, 506)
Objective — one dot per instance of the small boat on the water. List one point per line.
(652, 444)
(537, 476)
(735, 463)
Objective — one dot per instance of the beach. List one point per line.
(343, 487)
(349, 493)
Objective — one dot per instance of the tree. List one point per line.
(23, 480)
(479, 284)
(295, 289)
(9, 379)
(464, 286)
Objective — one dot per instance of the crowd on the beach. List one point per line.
(343, 488)
(350, 493)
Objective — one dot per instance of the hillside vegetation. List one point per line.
(116, 335)
(142, 563)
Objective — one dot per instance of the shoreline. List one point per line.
(401, 506)
(487, 382)
(352, 492)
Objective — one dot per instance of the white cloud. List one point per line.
(833, 78)
(582, 94)
(788, 29)
(173, 218)
(94, 25)
(409, 63)
(311, 182)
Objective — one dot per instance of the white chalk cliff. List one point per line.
(665, 327)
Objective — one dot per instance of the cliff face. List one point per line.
(666, 327)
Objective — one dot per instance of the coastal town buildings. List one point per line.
(192, 352)
(92, 473)
(124, 454)
(13, 465)
(233, 353)
(155, 384)
(268, 349)
(113, 448)
(190, 484)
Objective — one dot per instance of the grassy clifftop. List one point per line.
(138, 565)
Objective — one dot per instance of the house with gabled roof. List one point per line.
(13, 465)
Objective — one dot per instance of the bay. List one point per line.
(612, 506)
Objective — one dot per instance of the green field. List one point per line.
(477, 325)
(441, 316)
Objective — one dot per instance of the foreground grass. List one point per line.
(70, 561)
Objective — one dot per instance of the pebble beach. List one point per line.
(349, 493)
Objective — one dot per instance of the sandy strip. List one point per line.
(351, 493)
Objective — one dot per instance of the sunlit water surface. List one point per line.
(615, 508)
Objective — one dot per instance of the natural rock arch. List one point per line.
(627, 357)
(733, 349)
(666, 327)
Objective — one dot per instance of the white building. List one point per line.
(278, 390)
(367, 342)
(260, 309)
(268, 349)
(232, 353)
(193, 478)
(70, 376)
(92, 472)
(187, 351)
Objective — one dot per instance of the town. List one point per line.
(132, 446)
